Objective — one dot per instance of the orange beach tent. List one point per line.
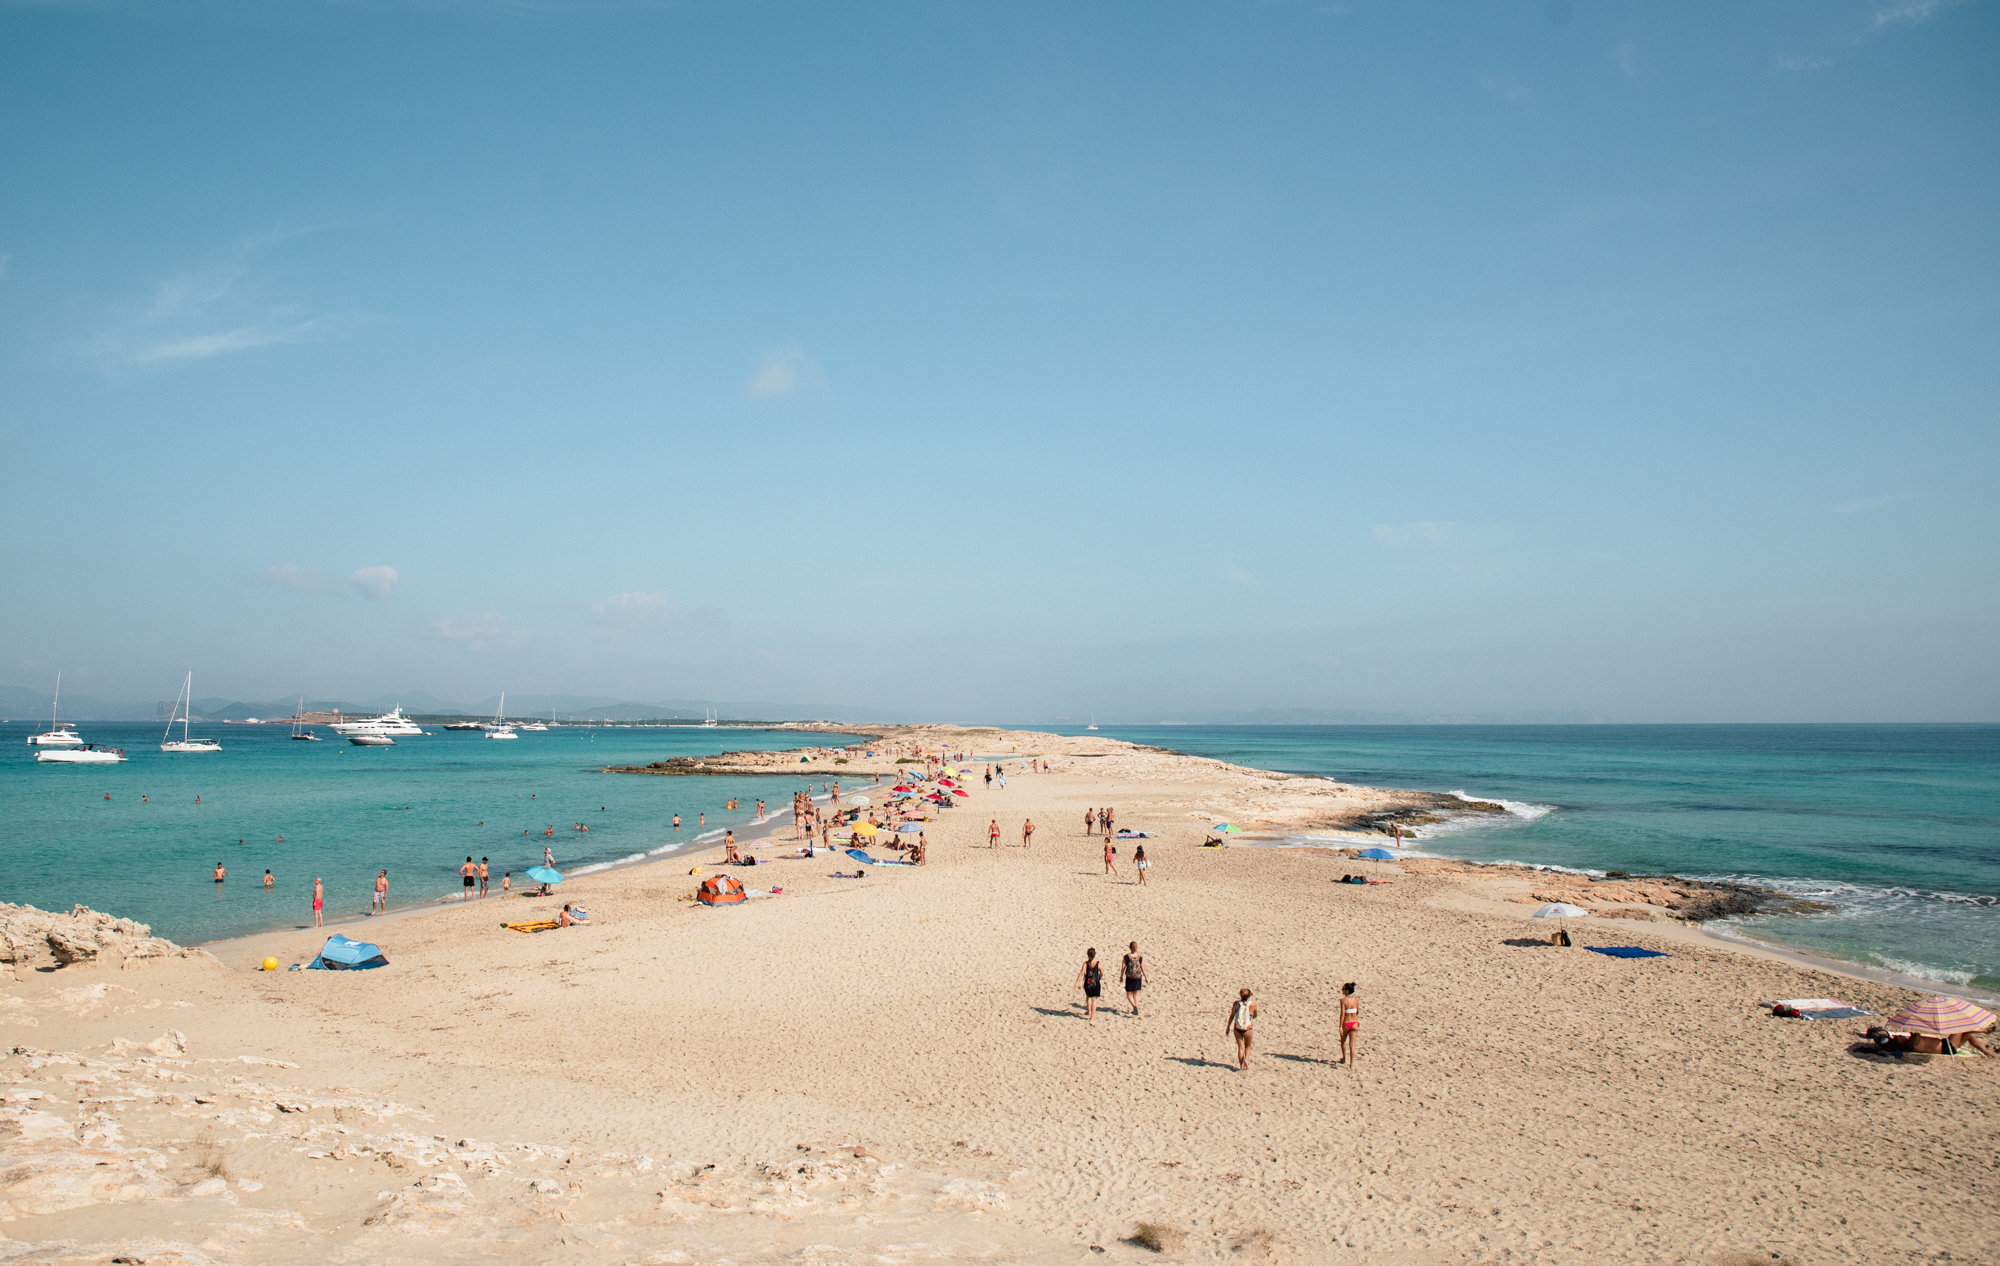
(719, 890)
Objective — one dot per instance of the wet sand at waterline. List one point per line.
(897, 1068)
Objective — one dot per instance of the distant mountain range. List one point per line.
(23, 703)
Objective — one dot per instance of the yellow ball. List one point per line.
(270, 964)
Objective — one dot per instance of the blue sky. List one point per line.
(1008, 361)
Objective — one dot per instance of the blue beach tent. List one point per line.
(341, 954)
(1377, 854)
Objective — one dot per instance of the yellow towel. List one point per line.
(537, 925)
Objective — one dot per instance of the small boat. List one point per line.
(300, 730)
(371, 740)
(88, 755)
(465, 725)
(1093, 722)
(58, 735)
(181, 713)
(500, 729)
(708, 720)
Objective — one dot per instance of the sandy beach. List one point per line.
(897, 1068)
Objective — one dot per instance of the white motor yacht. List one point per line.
(181, 713)
(91, 755)
(371, 740)
(58, 735)
(392, 722)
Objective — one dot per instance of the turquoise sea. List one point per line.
(418, 808)
(1895, 827)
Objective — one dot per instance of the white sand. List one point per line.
(1512, 1103)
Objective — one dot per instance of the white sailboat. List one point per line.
(300, 730)
(58, 735)
(500, 729)
(1093, 722)
(181, 714)
(708, 720)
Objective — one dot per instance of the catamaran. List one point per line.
(182, 713)
(391, 722)
(500, 729)
(58, 735)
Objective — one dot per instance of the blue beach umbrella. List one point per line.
(1377, 854)
(342, 954)
(545, 874)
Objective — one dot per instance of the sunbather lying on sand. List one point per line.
(570, 915)
(1924, 1043)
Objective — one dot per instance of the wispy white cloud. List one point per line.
(1422, 535)
(373, 583)
(1803, 61)
(1510, 91)
(1627, 58)
(225, 307)
(1862, 504)
(477, 631)
(624, 616)
(1910, 12)
(784, 371)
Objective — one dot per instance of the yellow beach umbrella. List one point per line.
(865, 828)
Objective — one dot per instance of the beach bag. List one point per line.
(1241, 1020)
(1093, 976)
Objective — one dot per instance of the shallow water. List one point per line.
(1896, 827)
(418, 808)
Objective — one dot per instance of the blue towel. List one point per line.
(1624, 951)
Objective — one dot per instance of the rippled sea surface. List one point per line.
(344, 812)
(1896, 827)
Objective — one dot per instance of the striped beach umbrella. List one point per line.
(1942, 1017)
(1561, 910)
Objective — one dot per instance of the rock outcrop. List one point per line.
(32, 939)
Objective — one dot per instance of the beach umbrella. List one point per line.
(956, 792)
(545, 874)
(908, 827)
(865, 828)
(1561, 910)
(857, 800)
(1942, 1017)
(1377, 854)
(1227, 829)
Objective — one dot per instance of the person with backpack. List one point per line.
(1091, 977)
(1241, 1018)
(1135, 975)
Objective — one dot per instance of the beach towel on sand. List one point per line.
(1834, 1013)
(1625, 951)
(535, 925)
(860, 856)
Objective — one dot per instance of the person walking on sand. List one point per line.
(1135, 975)
(319, 903)
(381, 902)
(1090, 821)
(506, 883)
(1350, 1023)
(485, 877)
(1240, 1019)
(469, 873)
(993, 833)
(1140, 863)
(1091, 977)
(1027, 832)
(1110, 857)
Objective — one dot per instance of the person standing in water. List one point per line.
(319, 902)
(221, 872)
(268, 881)
(468, 873)
(677, 822)
(381, 903)
(485, 876)
(1350, 1023)
(1135, 975)
(1238, 1021)
(1091, 977)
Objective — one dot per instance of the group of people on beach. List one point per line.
(1239, 1020)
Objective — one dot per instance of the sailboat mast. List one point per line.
(187, 708)
(55, 705)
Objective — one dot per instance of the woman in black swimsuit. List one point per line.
(1091, 977)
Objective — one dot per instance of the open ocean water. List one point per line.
(345, 812)
(1896, 827)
